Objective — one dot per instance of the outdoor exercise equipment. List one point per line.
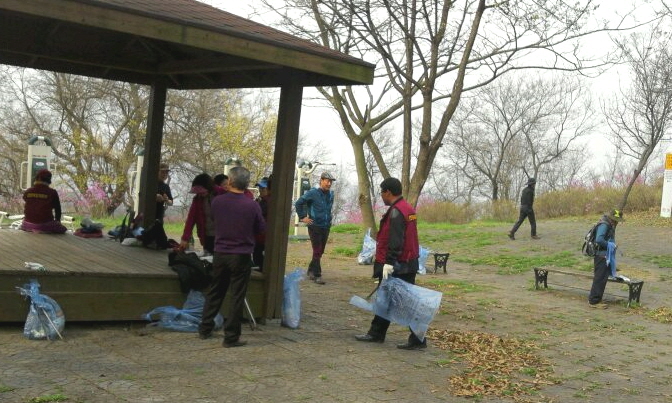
(39, 157)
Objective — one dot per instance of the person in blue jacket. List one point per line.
(605, 233)
(314, 209)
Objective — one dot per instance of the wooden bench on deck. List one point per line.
(634, 286)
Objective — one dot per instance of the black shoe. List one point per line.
(318, 280)
(204, 336)
(234, 344)
(311, 276)
(368, 338)
(511, 237)
(412, 346)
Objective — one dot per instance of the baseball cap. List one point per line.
(327, 175)
(263, 183)
(43, 175)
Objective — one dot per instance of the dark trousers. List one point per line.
(529, 214)
(209, 244)
(227, 270)
(318, 240)
(379, 325)
(600, 277)
(258, 255)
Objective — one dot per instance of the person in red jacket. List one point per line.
(42, 212)
(200, 213)
(397, 252)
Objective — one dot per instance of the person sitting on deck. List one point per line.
(42, 212)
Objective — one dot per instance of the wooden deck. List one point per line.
(92, 279)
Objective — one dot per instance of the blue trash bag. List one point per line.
(403, 303)
(368, 251)
(45, 318)
(186, 319)
(422, 260)
(291, 302)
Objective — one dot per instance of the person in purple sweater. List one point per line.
(238, 221)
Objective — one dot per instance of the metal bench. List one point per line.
(634, 286)
(440, 261)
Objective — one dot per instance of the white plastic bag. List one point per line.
(368, 251)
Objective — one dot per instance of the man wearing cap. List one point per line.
(314, 209)
(264, 186)
(163, 195)
(42, 212)
(526, 210)
(605, 238)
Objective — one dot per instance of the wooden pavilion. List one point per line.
(176, 44)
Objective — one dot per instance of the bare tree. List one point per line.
(641, 115)
(429, 54)
(517, 126)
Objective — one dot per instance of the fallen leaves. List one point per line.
(495, 366)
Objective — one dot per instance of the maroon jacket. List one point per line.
(397, 242)
(197, 213)
(41, 204)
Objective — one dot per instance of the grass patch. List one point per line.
(453, 287)
(4, 389)
(510, 264)
(662, 261)
(49, 398)
(346, 251)
(347, 229)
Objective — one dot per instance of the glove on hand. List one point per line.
(387, 270)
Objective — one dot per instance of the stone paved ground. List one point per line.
(616, 355)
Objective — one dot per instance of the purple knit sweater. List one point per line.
(237, 220)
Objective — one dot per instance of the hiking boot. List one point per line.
(311, 276)
(412, 346)
(318, 280)
(535, 237)
(370, 339)
(204, 336)
(511, 237)
(236, 343)
(599, 305)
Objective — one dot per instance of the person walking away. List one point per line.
(42, 211)
(605, 234)
(397, 252)
(526, 210)
(264, 186)
(200, 214)
(314, 209)
(164, 197)
(238, 220)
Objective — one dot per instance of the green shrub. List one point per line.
(447, 212)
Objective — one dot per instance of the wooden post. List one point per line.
(149, 177)
(284, 163)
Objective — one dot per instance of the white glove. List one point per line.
(387, 270)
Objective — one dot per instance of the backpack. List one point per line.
(193, 273)
(125, 230)
(155, 237)
(590, 247)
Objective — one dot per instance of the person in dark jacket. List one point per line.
(42, 212)
(264, 198)
(164, 197)
(238, 221)
(314, 209)
(605, 233)
(526, 210)
(397, 252)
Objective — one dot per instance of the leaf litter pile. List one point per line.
(495, 366)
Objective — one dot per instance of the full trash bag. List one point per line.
(368, 249)
(45, 317)
(291, 302)
(186, 319)
(403, 303)
(422, 260)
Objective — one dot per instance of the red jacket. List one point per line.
(197, 214)
(397, 242)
